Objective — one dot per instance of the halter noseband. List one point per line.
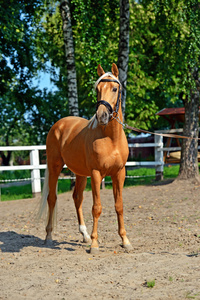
(105, 103)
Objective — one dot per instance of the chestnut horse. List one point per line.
(95, 148)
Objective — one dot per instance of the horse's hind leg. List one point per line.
(55, 168)
(78, 200)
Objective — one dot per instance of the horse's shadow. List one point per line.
(11, 241)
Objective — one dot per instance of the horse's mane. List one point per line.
(93, 122)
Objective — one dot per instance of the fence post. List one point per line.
(159, 157)
(35, 173)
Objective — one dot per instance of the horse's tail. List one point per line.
(43, 211)
(45, 191)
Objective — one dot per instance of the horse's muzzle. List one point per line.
(103, 117)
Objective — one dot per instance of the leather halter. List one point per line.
(106, 104)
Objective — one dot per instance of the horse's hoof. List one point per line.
(128, 247)
(87, 240)
(48, 243)
(94, 250)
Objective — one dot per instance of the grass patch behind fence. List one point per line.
(24, 191)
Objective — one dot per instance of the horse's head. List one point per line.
(108, 89)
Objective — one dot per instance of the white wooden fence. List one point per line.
(35, 165)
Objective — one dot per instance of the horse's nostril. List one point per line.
(105, 115)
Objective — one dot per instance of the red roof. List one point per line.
(174, 114)
(172, 111)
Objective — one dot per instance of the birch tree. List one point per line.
(189, 168)
(70, 59)
(123, 54)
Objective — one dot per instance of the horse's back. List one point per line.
(66, 128)
(65, 141)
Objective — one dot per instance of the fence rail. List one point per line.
(35, 165)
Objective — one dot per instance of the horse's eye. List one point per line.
(114, 89)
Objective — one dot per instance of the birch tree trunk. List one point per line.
(189, 153)
(123, 52)
(70, 63)
(70, 59)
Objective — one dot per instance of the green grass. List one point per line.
(16, 192)
(190, 296)
(151, 284)
(171, 171)
(22, 192)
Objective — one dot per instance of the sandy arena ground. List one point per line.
(162, 223)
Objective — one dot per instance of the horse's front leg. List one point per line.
(118, 183)
(96, 209)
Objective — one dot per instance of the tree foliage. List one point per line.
(164, 49)
(143, 90)
(17, 66)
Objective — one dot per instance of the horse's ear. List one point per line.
(100, 70)
(115, 70)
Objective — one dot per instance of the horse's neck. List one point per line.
(114, 129)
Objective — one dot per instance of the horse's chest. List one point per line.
(114, 159)
(108, 156)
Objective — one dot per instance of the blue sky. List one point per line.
(43, 81)
(43, 78)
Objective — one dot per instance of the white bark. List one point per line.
(70, 59)
(123, 54)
